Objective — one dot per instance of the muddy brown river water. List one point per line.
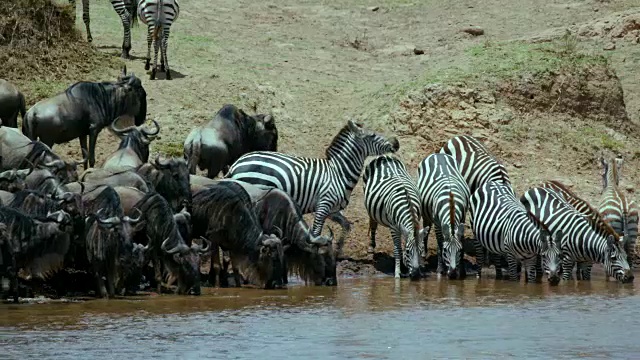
(376, 318)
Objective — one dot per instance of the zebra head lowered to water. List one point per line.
(444, 199)
(322, 186)
(581, 244)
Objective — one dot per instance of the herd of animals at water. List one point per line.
(134, 219)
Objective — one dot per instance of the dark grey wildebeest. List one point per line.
(223, 213)
(109, 248)
(169, 177)
(14, 180)
(11, 103)
(20, 152)
(84, 109)
(34, 245)
(134, 147)
(166, 246)
(230, 134)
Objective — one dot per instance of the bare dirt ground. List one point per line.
(315, 64)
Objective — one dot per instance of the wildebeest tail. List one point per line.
(191, 153)
(23, 107)
(28, 125)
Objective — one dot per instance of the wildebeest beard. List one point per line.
(35, 242)
(180, 260)
(224, 214)
(312, 263)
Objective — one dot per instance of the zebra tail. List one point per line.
(133, 10)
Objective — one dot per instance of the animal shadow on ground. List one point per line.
(101, 47)
(161, 75)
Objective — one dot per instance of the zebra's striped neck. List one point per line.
(346, 155)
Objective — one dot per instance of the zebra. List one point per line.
(391, 199)
(616, 208)
(477, 166)
(583, 271)
(318, 185)
(503, 226)
(444, 197)
(126, 9)
(158, 15)
(581, 243)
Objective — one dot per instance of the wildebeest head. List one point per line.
(65, 171)
(14, 180)
(188, 264)
(265, 134)
(132, 94)
(270, 260)
(173, 181)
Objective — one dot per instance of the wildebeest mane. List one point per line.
(24, 201)
(108, 200)
(158, 218)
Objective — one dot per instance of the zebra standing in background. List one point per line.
(583, 271)
(158, 15)
(503, 226)
(444, 197)
(322, 186)
(477, 166)
(126, 9)
(580, 243)
(617, 209)
(391, 199)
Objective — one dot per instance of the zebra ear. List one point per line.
(355, 128)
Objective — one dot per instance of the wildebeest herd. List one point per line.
(136, 218)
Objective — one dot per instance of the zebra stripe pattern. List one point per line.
(444, 197)
(616, 208)
(126, 9)
(503, 226)
(391, 199)
(158, 15)
(592, 215)
(322, 186)
(580, 244)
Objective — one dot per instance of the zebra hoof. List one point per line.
(162, 68)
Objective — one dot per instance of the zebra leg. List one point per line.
(480, 257)
(439, 241)
(539, 271)
(530, 269)
(150, 30)
(156, 47)
(73, 9)
(426, 225)
(397, 250)
(583, 271)
(497, 264)
(513, 267)
(567, 267)
(373, 227)
(165, 43)
(85, 18)
(126, 18)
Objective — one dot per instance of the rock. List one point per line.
(374, 8)
(473, 30)
(609, 46)
(630, 188)
(418, 51)
(517, 165)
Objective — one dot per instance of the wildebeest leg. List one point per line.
(285, 271)
(373, 227)
(149, 43)
(93, 137)
(157, 268)
(83, 146)
(214, 267)
(101, 290)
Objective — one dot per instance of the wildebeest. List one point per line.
(223, 214)
(13, 180)
(134, 147)
(34, 244)
(169, 177)
(230, 134)
(108, 239)
(84, 109)
(159, 230)
(11, 103)
(20, 152)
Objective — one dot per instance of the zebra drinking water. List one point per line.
(391, 199)
(158, 15)
(580, 243)
(617, 209)
(444, 196)
(503, 226)
(126, 9)
(322, 186)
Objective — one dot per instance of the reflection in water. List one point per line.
(366, 318)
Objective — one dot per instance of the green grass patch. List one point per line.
(173, 148)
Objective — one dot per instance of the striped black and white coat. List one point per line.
(126, 9)
(317, 185)
(477, 166)
(580, 243)
(503, 226)
(158, 15)
(444, 197)
(616, 208)
(391, 199)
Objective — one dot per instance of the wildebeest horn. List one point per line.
(133, 221)
(277, 231)
(202, 248)
(149, 133)
(9, 175)
(24, 173)
(179, 248)
(108, 220)
(160, 164)
(85, 155)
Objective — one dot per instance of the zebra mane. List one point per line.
(452, 210)
(344, 133)
(537, 221)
